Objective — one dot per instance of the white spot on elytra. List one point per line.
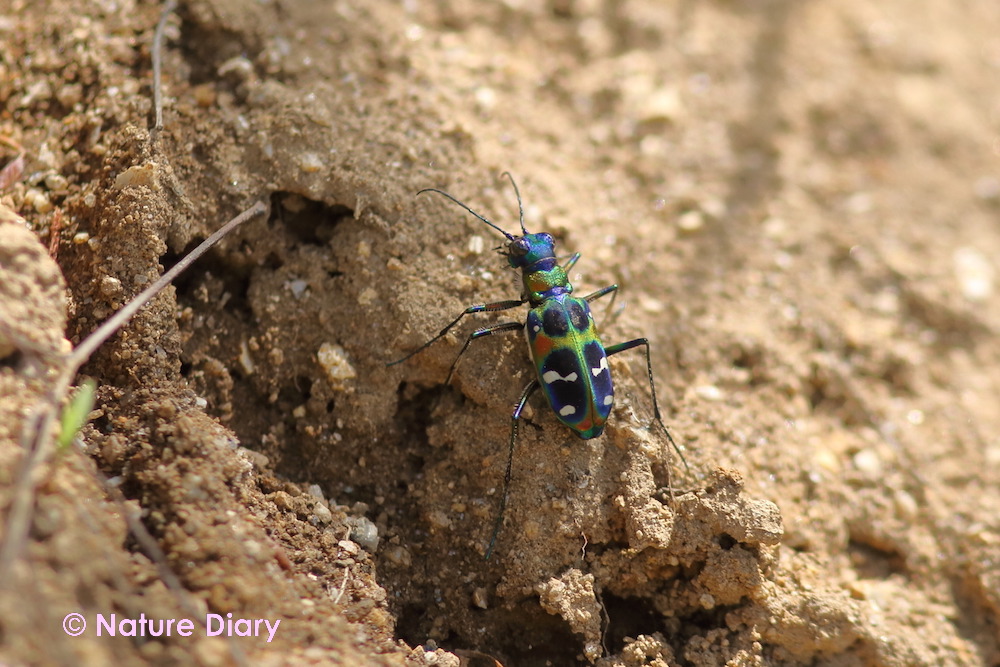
(609, 399)
(603, 366)
(536, 328)
(551, 376)
(567, 410)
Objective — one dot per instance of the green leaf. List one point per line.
(76, 413)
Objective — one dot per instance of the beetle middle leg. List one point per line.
(602, 292)
(599, 293)
(479, 333)
(478, 308)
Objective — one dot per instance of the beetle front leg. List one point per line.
(571, 262)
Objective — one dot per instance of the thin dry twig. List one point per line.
(605, 620)
(168, 9)
(86, 348)
(343, 586)
(37, 433)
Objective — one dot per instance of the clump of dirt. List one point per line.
(796, 200)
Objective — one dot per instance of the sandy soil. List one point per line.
(799, 200)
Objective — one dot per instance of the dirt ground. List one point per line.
(799, 201)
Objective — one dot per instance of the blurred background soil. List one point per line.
(799, 200)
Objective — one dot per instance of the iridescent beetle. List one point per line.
(570, 361)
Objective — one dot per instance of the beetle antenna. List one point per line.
(442, 192)
(520, 208)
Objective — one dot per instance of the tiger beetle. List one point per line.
(570, 361)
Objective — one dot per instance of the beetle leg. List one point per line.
(478, 308)
(514, 417)
(571, 262)
(479, 333)
(628, 345)
(601, 292)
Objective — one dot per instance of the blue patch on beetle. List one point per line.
(579, 314)
(554, 322)
(600, 378)
(565, 385)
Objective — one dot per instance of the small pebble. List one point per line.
(868, 462)
(333, 360)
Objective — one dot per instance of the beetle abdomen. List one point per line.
(571, 364)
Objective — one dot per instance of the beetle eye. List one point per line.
(519, 247)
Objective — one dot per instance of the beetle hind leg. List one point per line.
(628, 345)
(514, 418)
